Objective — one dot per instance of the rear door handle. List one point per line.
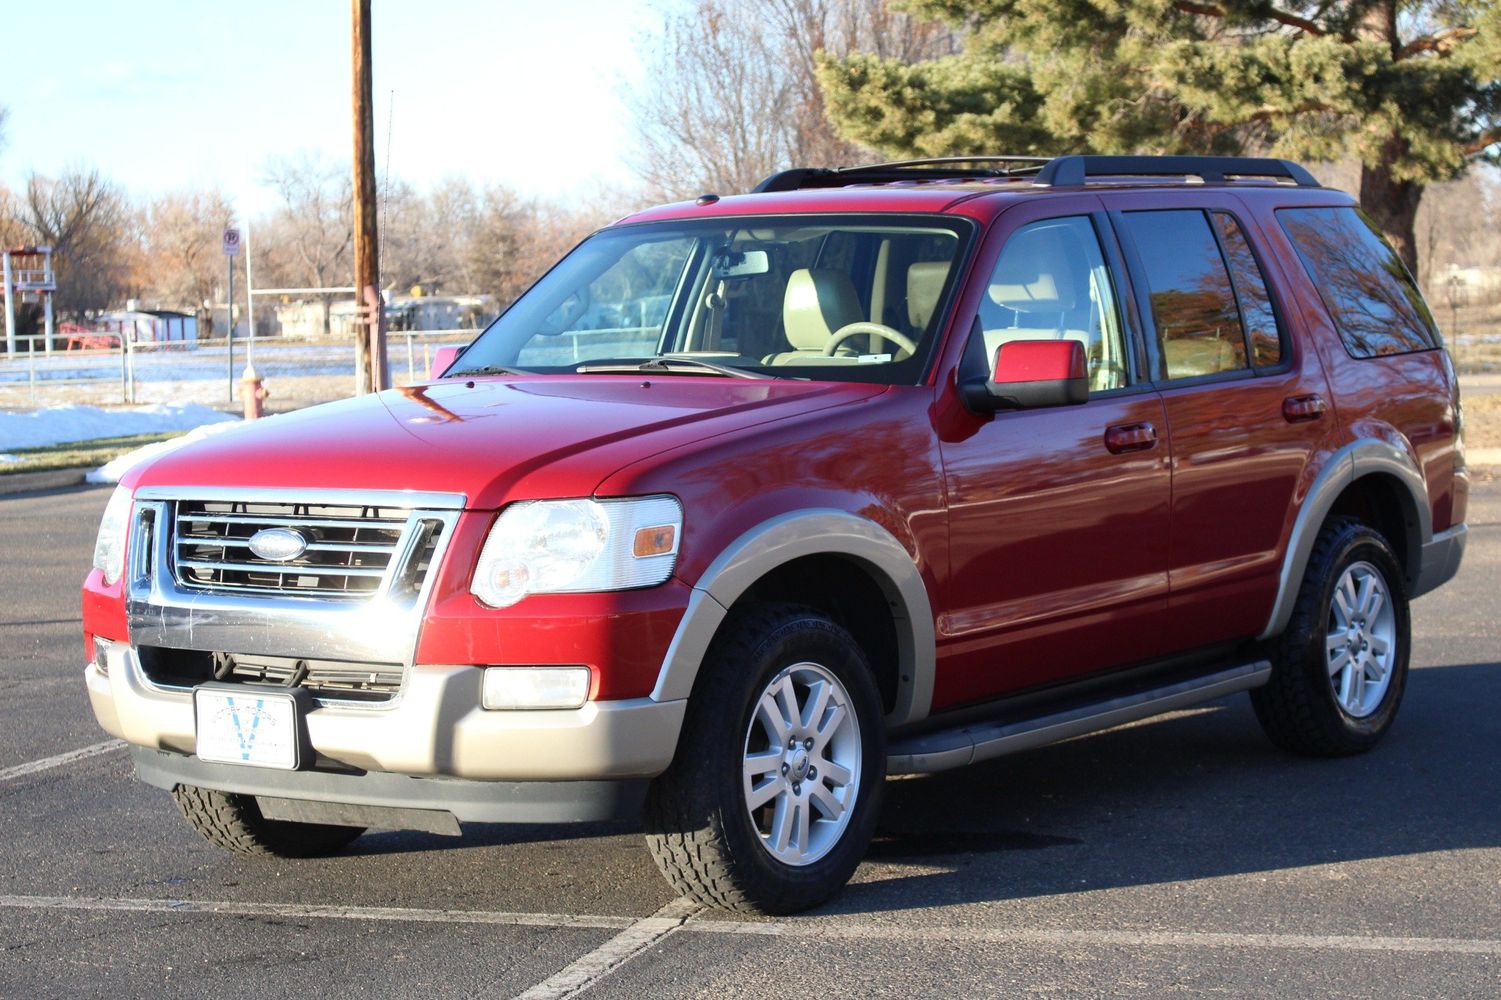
(1130, 437)
(1296, 409)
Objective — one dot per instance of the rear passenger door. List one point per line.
(1246, 407)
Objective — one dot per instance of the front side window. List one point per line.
(1199, 329)
(818, 297)
(1373, 301)
(1051, 283)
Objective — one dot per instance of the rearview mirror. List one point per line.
(1030, 374)
(740, 264)
(443, 359)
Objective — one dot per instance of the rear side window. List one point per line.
(1193, 305)
(1370, 296)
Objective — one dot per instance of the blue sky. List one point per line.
(162, 94)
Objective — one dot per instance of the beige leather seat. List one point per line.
(1035, 280)
(924, 285)
(818, 302)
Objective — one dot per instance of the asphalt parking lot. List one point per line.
(1183, 855)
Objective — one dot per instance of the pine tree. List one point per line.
(1410, 89)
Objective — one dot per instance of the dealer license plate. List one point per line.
(253, 728)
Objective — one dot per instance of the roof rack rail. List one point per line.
(931, 168)
(1069, 171)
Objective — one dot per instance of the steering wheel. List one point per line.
(881, 330)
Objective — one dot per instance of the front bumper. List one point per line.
(435, 727)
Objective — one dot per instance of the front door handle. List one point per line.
(1130, 437)
(1297, 409)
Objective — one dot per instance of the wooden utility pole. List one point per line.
(373, 373)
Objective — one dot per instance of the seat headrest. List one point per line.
(1036, 271)
(818, 302)
(924, 285)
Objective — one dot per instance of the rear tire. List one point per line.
(772, 798)
(1339, 669)
(234, 822)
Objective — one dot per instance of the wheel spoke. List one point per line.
(837, 774)
(800, 811)
(1357, 687)
(1340, 662)
(770, 717)
(781, 825)
(830, 726)
(1374, 668)
(1379, 646)
(762, 794)
(1335, 643)
(1365, 589)
(818, 701)
(766, 762)
(1346, 686)
(1342, 606)
(1376, 601)
(786, 700)
(827, 801)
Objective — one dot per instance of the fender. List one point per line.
(793, 535)
(1363, 457)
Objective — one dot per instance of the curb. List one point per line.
(53, 479)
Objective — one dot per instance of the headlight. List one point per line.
(109, 548)
(576, 546)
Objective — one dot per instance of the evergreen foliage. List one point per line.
(1410, 89)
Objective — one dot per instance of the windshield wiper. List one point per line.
(487, 370)
(671, 366)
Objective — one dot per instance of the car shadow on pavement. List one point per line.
(1191, 796)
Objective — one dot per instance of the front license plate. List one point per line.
(246, 728)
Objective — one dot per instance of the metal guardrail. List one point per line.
(87, 367)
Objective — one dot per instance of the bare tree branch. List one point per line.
(1292, 20)
(1442, 42)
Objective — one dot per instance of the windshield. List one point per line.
(848, 299)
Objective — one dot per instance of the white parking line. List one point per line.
(58, 760)
(639, 934)
(589, 969)
(379, 913)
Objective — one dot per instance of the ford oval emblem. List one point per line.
(278, 544)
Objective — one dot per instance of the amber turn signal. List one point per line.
(656, 541)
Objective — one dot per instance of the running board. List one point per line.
(971, 744)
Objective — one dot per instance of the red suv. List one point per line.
(753, 501)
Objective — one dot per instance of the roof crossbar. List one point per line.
(1061, 171)
(1070, 171)
(931, 168)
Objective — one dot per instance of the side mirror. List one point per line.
(1030, 374)
(443, 359)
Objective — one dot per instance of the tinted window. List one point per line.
(1051, 283)
(1198, 325)
(1367, 290)
(1256, 311)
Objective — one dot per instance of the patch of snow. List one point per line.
(113, 470)
(10, 458)
(62, 424)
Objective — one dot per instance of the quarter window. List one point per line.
(1370, 296)
(1256, 312)
(1199, 329)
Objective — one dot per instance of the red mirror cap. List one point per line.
(1039, 361)
(443, 357)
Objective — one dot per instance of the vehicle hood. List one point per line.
(492, 439)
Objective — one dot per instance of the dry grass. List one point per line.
(77, 454)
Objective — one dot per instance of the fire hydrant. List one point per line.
(253, 394)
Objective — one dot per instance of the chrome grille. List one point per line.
(351, 550)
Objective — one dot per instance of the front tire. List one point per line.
(234, 822)
(1339, 670)
(772, 798)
